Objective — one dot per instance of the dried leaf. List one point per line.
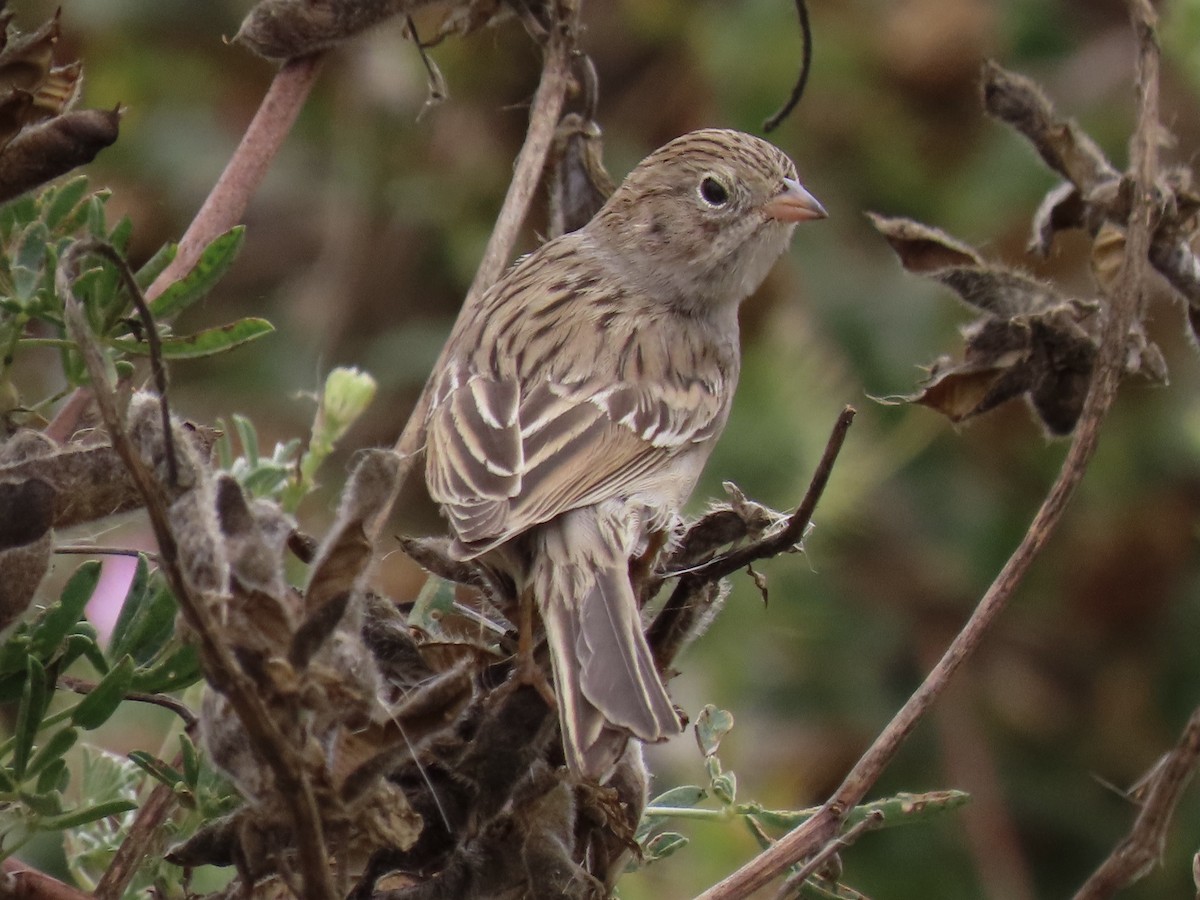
(1108, 255)
(1063, 146)
(580, 184)
(54, 147)
(282, 29)
(922, 249)
(25, 62)
(1060, 209)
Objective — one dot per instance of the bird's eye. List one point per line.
(713, 192)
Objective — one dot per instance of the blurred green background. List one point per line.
(361, 244)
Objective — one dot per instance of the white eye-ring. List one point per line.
(713, 191)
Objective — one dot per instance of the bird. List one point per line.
(578, 399)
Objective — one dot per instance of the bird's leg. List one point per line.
(641, 567)
(527, 670)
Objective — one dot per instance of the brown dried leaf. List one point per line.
(54, 147)
(580, 184)
(1108, 256)
(922, 249)
(346, 551)
(960, 391)
(25, 62)
(1063, 146)
(26, 537)
(60, 90)
(1004, 293)
(282, 29)
(1062, 208)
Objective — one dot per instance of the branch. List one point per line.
(792, 533)
(227, 201)
(142, 834)
(20, 882)
(269, 743)
(1124, 305)
(83, 686)
(1142, 848)
(527, 174)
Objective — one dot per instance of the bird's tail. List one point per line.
(604, 674)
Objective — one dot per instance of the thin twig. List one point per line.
(139, 840)
(527, 174)
(805, 67)
(1124, 305)
(870, 822)
(83, 686)
(227, 201)
(23, 883)
(1141, 849)
(153, 340)
(793, 532)
(100, 550)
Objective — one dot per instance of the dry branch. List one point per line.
(1123, 307)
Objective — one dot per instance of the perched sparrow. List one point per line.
(581, 396)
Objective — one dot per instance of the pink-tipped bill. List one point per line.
(794, 204)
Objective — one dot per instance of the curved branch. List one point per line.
(1125, 302)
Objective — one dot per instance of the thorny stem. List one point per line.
(1124, 305)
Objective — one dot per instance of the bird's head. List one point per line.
(701, 220)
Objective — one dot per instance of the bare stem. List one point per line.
(527, 175)
(227, 201)
(1123, 307)
(142, 836)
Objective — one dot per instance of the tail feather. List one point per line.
(604, 674)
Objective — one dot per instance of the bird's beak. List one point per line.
(794, 204)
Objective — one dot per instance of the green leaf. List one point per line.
(156, 768)
(147, 627)
(176, 670)
(98, 706)
(34, 697)
(6, 781)
(686, 795)
(131, 608)
(46, 803)
(64, 200)
(94, 218)
(191, 761)
(49, 630)
(214, 262)
(14, 651)
(711, 726)
(155, 265)
(203, 343)
(433, 605)
(248, 437)
(663, 845)
(55, 777)
(724, 787)
(54, 749)
(119, 236)
(86, 814)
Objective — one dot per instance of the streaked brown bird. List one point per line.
(581, 396)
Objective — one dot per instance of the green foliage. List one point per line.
(288, 475)
(35, 232)
(201, 792)
(685, 802)
(145, 654)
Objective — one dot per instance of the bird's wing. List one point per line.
(505, 456)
